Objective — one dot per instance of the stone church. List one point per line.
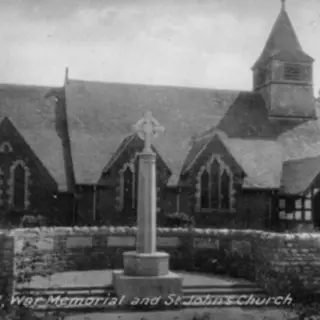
(248, 159)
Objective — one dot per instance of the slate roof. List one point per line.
(261, 160)
(245, 118)
(101, 115)
(283, 43)
(34, 117)
(298, 175)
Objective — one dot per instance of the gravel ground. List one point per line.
(188, 314)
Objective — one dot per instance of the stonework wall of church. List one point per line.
(253, 210)
(168, 203)
(107, 207)
(214, 218)
(292, 99)
(85, 205)
(265, 92)
(279, 72)
(107, 213)
(186, 201)
(110, 204)
(40, 192)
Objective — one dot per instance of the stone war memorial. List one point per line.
(146, 271)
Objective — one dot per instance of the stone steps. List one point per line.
(99, 298)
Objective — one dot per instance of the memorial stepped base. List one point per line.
(194, 285)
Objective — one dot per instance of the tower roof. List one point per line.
(283, 42)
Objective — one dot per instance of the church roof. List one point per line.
(283, 43)
(101, 116)
(261, 160)
(299, 174)
(34, 117)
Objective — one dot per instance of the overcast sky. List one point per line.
(207, 43)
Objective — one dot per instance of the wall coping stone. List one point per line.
(128, 231)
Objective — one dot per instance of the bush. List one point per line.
(31, 221)
(16, 312)
(306, 301)
(177, 220)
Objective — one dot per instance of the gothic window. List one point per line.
(205, 190)
(128, 196)
(128, 188)
(19, 185)
(129, 185)
(19, 192)
(214, 185)
(225, 190)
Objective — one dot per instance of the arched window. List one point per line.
(129, 185)
(215, 186)
(19, 183)
(128, 188)
(5, 147)
(205, 190)
(128, 198)
(225, 190)
(19, 190)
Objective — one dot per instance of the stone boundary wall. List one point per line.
(6, 265)
(249, 254)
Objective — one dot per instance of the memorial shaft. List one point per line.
(147, 203)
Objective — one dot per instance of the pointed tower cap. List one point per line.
(283, 42)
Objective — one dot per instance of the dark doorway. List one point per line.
(316, 210)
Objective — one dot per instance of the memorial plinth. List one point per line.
(146, 272)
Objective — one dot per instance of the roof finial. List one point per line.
(283, 5)
(66, 75)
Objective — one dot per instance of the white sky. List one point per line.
(207, 43)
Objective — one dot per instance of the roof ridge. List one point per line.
(70, 80)
(301, 159)
(26, 86)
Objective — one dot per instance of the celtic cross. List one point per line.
(147, 128)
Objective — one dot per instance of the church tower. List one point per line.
(283, 72)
